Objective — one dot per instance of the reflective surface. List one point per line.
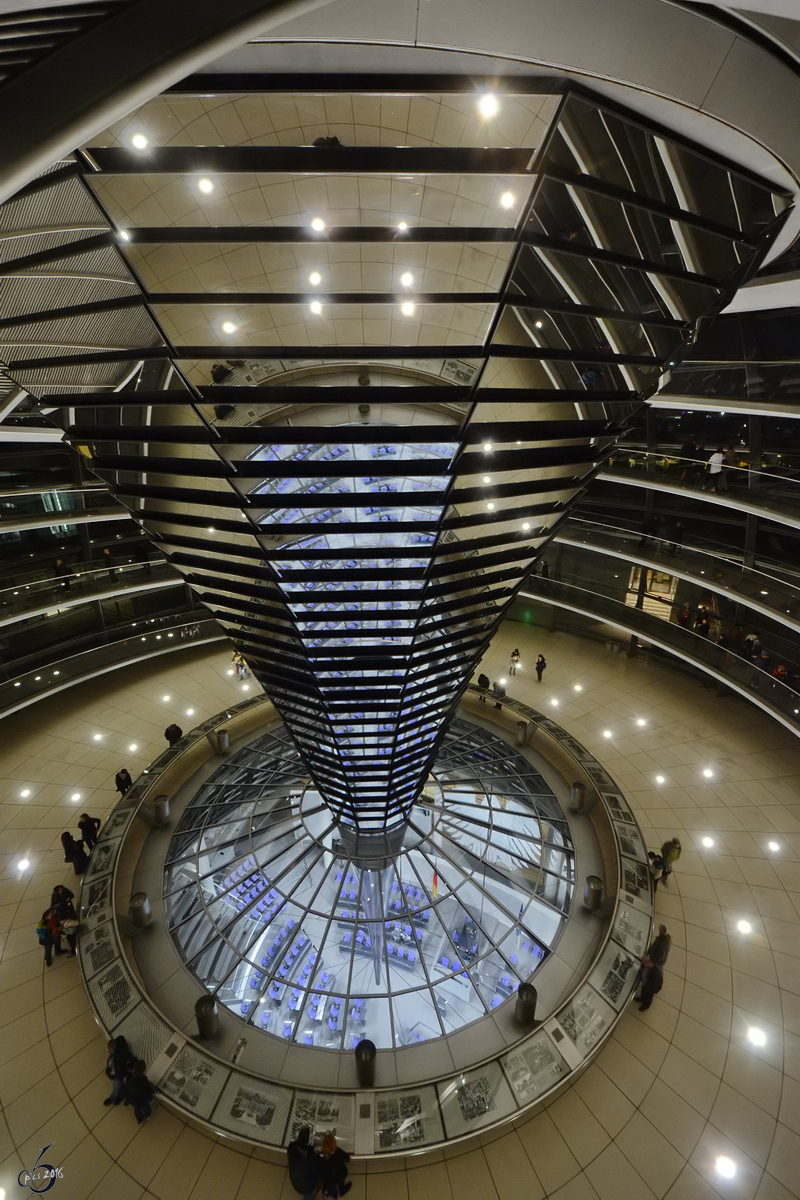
(324, 940)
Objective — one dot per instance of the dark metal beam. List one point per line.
(250, 234)
(402, 84)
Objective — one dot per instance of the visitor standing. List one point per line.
(304, 1165)
(138, 1091)
(123, 781)
(173, 733)
(333, 1168)
(540, 666)
(118, 1068)
(89, 827)
(49, 936)
(515, 658)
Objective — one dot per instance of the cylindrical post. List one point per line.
(365, 1063)
(223, 741)
(525, 1007)
(207, 1014)
(161, 810)
(522, 732)
(139, 910)
(211, 738)
(577, 797)
(592, 892)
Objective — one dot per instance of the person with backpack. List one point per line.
(484, 685)
(539, 667)
(670, 853)
(512, 666)
(139, 1092)
(49, 935)
(333, 1168)
(657, 868)
(304, 1165)
(118, 1068)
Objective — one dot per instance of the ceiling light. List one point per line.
(245, 687)
(554, 703)
(23, 864)
(205, 186)
(487, 479)
(507, 200)
(502, 683)
(211, 529)
(606, 733)
(756, 1036)
(316, 307)
(488, 106)
(708, 773)
(490, 504)
(133, 746)
(75, 796)
(726, 1167)
(170, 635)
(18, 684)
(98, 737)
(318, 224)
(764, 593)
(315, 278)
(744, 927)
(56, 672)
(402, 226)
(539, 324)
(406, 279)
(230, 672)
(708, 842)
(660, 779)
(25, 792)
(526, 525)
(229, 327)
(36, 678)
(578, 687)
(166, 698)
(190, 712)
(774, 846)
(123, 233)
(487, 446)
(641, 721)
(139, 141)
(407, 308)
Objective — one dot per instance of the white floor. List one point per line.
(675, 1089)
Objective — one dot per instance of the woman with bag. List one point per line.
(49, 935)
(539, 667)
(333, 1168)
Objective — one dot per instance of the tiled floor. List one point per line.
(675, 1088)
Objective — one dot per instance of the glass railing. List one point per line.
(774, 591)
(776, 697)
(78, 580)
(734, 380)
(160, 636)
(755, 487)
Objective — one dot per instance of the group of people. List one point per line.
(128, 1075)
(747, 645)
(239, 665)
(77, 850)
(661, 863)
(698, 463)
(58, 920)
(313, 1172)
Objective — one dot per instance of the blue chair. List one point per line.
(407, 930)
(394, 886)
(309, 1038)
(455, 937)
(456, 965)
(245, 1008)
(325, 978)
(287, 1029)
(333, 1024)
(347, 938)
(266, 1017)
(355, 1038)
(506, 982)
(358, 1004)
(497, 1001)
(368, 943)
(312, 958)
(302, 940)
(253, 982)
(360, 937)
(306, 970)
(335, 1010)
(412, 956)
(293, 1004)
(389, 948)
(312, 1011)
(284, 931)
(514, 960)
(291, 922)
(283, 971)
(400, 951)
(296, 993)
(445, 962)
(265, 960)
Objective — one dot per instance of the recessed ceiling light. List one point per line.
(18, 684)
(98, 737)
(708, 773)
(75, 796)
(245, 687)
(554, 703)
(774, 846)
(205, 186)
(726, 1167)
(606, 733)
(507, 200)
(526, 525)
(170, 635)
(190, 712)
(316, 307)
(764, 593)
(502, 683)
(315, 278)
(56, 672)
(123, 233)
(406, 279)
(402, 226)
(490, 504)
(166, 698)
(211, 529)
(756, 1036)
(23, 864)
(487, 446)
(641, 721)
(230, 672)
(229, 327)
(133, 746)
(487, 479)
(488, 106)
(708, 842)
(660, 779)
(139, 141)
(744, 927)
(36, 678)
(407, 308)
(25, 792)
(578, 687)
(318, 224)
(539, 324)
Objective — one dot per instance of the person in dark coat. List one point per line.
(123, 781)
(47, 931)
(74, 853)
(89, 827)
(333, 1168)
(660, 946)
(67, 919)
(60, 893)
(539, 666)
(652, 984)
(484, 685)
(173, 733)
(118, 1068)
(304, 1166)
(138, 1091)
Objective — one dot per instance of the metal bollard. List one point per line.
(161, 810)
(365, 1063)
(207, 1014)
(592, 892)
(525, 1007)
(522, 733)
(223, 741)
(139, 910)
(577, 797)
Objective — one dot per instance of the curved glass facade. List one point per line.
(308, 934)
